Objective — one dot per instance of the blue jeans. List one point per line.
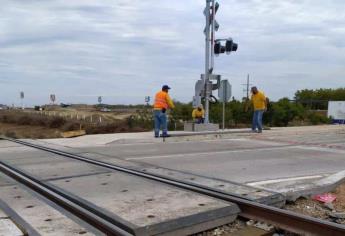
(160, 119)
(199, 120)
(257, 120)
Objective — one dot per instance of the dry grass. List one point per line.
(19, 124)
(27, 131)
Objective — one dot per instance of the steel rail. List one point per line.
(94, 218)
(287, 220)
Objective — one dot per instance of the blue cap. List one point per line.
(165, 87)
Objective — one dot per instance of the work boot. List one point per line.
(165, 135)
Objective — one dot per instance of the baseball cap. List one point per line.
(165, 87)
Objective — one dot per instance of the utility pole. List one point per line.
(247, 85)
(22, 99)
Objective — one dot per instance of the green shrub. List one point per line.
(317, 118)
(285, 111)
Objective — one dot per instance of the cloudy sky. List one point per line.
(125, 50)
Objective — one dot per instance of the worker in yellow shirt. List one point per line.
(260, 105)
(198, 114)
(161, 104)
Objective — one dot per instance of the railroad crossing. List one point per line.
(138, 187)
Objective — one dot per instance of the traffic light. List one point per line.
(229, 47)
(218, 48)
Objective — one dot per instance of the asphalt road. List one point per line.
(239, 159)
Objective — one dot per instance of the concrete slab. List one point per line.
(151, 206)
(7, 144)
(8, 228)
(127, 151)
(142, 137)
(189, 127)
(241, 190)
(14, 149)
(5, 181)
(49, 166)
(253, 165)
(154, 208)
(99, 139)
(3, 214)
(43, 218)
(53, 145)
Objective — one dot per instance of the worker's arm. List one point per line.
(170, 102)
(264, 100)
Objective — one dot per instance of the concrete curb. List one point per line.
(184, 137)
(293, 190)
(326, 184)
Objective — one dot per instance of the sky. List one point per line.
(125, 50)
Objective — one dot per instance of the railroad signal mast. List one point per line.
(213, 47)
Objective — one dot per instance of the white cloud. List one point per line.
(127, 49)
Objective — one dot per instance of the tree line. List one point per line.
(309, 107)
(318, 98)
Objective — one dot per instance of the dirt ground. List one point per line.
(319, 210)
(340, 201)
(28, 131)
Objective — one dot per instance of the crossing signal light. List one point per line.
(229, 47)
(218, 48)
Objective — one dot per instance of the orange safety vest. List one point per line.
(161, 100)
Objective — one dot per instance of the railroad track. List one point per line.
(287, 220)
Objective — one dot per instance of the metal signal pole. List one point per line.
(212, 47)
(210, 12)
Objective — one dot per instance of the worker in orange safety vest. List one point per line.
(161, 104)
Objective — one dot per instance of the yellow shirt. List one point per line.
(259, 101)
(198, 114)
